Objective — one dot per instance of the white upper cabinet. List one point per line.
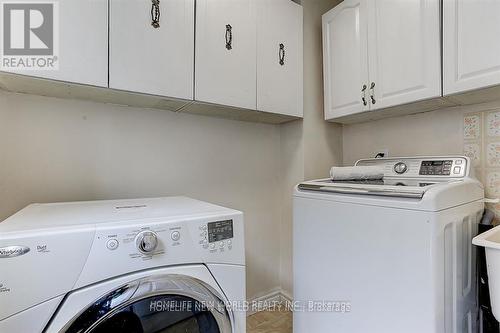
(147, 59)
(404, 51)
(345, 59)
(225, 57)
(471, 52)
(197, 56)
(380, 53)
(83, 43)
(279, 57)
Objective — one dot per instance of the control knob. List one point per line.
(146, 241)
(400, 167)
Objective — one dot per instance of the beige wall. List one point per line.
(62, 150)
(433, 133)
(312, 146)
(430, 133)
(322, 140)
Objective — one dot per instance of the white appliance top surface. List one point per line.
(425, 183)
(50, 215)
(408, 177)
(47, 250)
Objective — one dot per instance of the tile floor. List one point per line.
(270, 322)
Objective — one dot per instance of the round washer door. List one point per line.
(156, 304)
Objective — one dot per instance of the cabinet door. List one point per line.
(225, 52)
(83, 43)
(404, 51)
(345, 63)
(471, 52)
(279, 57)
(151, 60)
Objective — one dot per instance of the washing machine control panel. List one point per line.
(421, 167)
(140, 242)
(146, 241)
(445, 167)
(217, 236)
(156, 240)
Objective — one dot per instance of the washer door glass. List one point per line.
(158, 304)
(160, 314)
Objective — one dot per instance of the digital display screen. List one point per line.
(220, 230)
(436, 168)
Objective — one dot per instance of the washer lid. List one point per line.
(404, 188)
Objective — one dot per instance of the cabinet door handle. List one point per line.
(372, 93)
(363, 94)
(155, 14)
(282, 54)
(229, 36)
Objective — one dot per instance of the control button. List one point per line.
(204, 234)
(221, 245)
(212, 246)
(205, 242)
(175, 236)
(112, 244)
(458, 162)
(229, 242)
(146, 241)
(457, 170)
(400, 168)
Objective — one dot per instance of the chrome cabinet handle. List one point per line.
(372, 93)
(363, 94)
(229, 36)
(282, 54)
(155, 14)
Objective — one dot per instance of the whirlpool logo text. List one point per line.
(13, 251)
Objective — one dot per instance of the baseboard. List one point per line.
(287, 297)
(276, 295)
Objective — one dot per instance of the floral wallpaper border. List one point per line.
(481, 134)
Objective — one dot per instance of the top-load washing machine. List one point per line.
(391, 255)
(127, 266)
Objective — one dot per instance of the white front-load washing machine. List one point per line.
(391, 255)
(126, 266)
